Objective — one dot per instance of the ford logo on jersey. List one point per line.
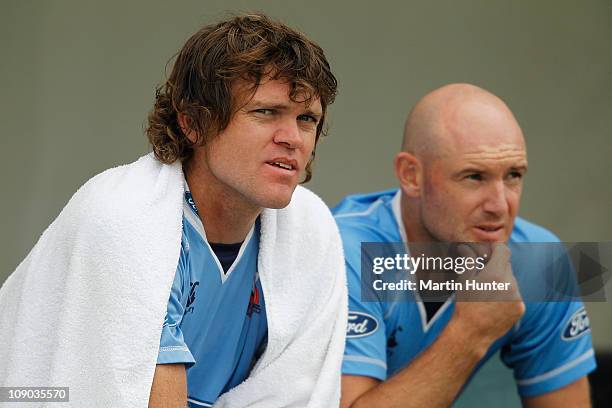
(577, 325)
(360, 325)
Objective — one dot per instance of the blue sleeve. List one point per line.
(365, 353)
(551, 347)
(172, 347)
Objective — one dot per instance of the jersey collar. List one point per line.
(397, 214)
(191, 214)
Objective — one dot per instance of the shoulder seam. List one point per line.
(371, 208)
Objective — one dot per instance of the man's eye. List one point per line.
(515, 175)
(264, 111)
(474, 176)
(307, 118)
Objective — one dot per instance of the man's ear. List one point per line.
(184, 123)
(409, 173)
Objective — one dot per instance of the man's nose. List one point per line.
(496, 201)
(288, 134)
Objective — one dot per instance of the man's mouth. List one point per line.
(490, 228)
(282, 165)
(285, 164)
(489, 232)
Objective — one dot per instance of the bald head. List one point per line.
(462, 167)
(449, 116)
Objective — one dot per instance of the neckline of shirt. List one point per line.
(191, 213)
(397, 214)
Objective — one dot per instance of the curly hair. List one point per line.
(248, 47)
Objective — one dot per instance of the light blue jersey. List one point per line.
(549, 348)
(216, 321)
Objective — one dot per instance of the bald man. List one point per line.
(460, 174)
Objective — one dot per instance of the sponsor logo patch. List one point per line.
(577, 325)
(360, 325)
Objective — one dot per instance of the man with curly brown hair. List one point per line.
(212, 231)
(242, 109)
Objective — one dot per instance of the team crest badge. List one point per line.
(191, 297)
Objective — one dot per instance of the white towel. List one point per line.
(85, 308)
